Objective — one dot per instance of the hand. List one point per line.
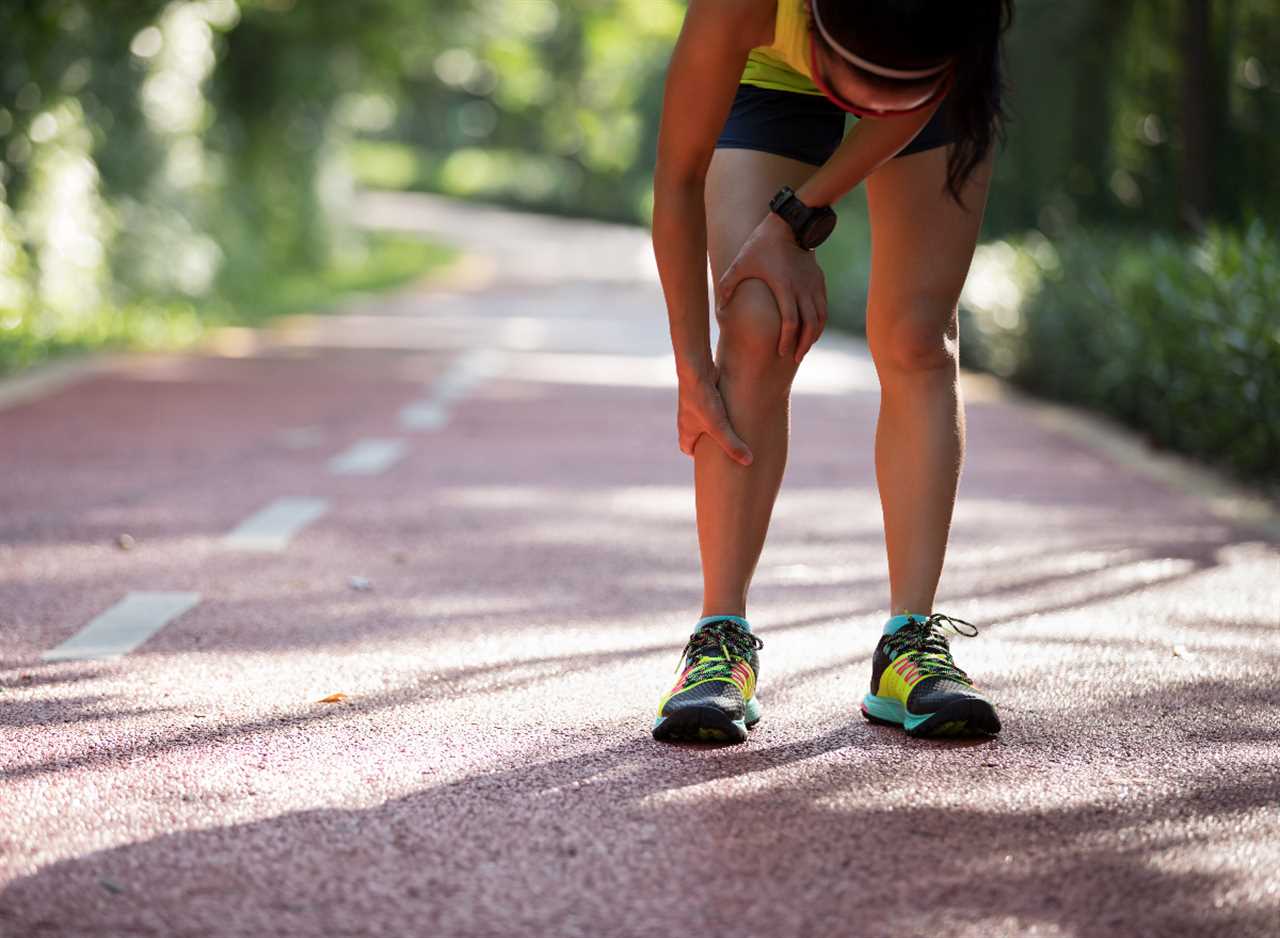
(791, 273)
(701, 410)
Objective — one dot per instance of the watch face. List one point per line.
(818, 229)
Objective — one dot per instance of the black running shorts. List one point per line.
(804, 127)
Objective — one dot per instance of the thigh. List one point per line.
(740, 184)
(921, 241)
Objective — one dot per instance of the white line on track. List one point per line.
(271, 528)
(424, 415)
(467, 370)
(367, 457)
(123, 627)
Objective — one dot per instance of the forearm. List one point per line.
(870, 144)
(680, 248)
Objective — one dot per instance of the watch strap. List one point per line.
(800, 217)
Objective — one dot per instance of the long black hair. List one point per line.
(914, 33)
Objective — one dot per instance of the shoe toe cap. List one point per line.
(722, 695)
(933, 694)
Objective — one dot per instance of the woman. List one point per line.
(750, 157)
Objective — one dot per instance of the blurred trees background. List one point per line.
(168, 164)
(164, 163)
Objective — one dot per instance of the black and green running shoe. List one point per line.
(916, 685)
(714, 699)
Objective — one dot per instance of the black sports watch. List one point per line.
(810, 225)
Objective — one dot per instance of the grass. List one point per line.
(389, 260)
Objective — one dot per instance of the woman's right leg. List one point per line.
(735, 502)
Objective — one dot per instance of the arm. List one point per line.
(701, 81)
(871, 143)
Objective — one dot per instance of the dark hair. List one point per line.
(917, 33)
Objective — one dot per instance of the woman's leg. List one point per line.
(921, 246)
(734, 502)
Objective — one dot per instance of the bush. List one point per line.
(1180, 339)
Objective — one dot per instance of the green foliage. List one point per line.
(172, 161)
(1180, 339)
(846, 262)
(550, 105)
(1100, 99)
(379, 261)
(517, 178)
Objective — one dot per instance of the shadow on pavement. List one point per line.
(631, 839)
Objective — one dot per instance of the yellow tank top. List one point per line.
(784, 65)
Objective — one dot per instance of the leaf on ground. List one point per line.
(359, 583)
(333, 698)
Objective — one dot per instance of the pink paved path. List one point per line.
(533, 573)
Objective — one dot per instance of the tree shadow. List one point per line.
(631, 839)
(62, 710)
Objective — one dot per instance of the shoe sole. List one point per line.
(965, 716)
(706, 725)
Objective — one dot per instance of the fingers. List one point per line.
(732, 444)
(726, 438)
(813, 319)
(727, 284)
(700, 411)
(789, 315)
(688, 443)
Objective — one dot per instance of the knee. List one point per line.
(919, 338)
(750, 327)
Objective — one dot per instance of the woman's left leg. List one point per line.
(921, 245)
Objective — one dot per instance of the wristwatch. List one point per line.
(810, 225)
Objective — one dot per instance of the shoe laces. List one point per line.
(926, 639)
(724, 636)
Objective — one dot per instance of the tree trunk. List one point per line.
(1196, 185)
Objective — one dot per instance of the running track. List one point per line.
(463, 508)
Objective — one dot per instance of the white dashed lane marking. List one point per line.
(124, 626)
(271, 528)
(467, 370)
(424, 415)
(367, 457)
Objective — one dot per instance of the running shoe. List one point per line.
(916, 685)
(714, 699)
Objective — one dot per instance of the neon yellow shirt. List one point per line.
(783, 65)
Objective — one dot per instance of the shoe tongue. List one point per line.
(921, 642)
(709, 645)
